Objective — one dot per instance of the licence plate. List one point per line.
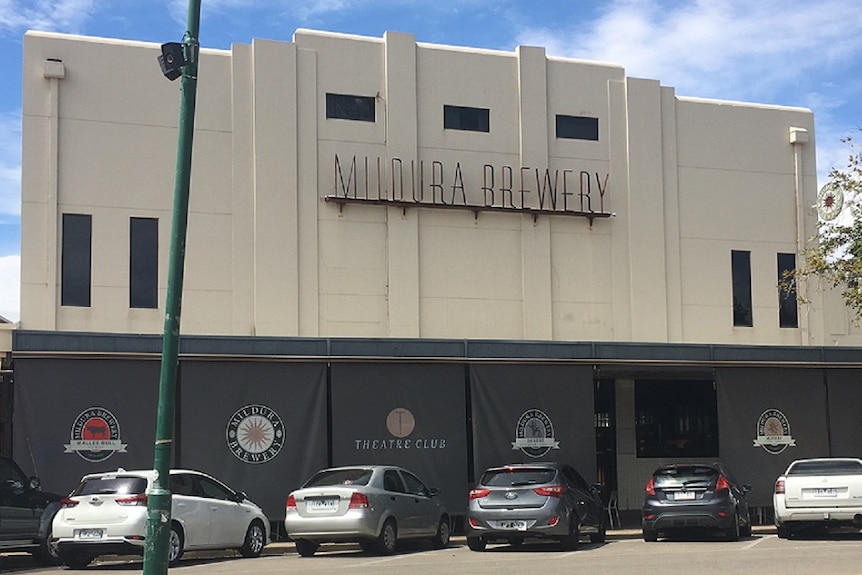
(825, 492)
(321, 504)
(683, 496)
(518, 525)
(90, 533)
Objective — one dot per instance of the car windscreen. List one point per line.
(826, 467)
(687, 475)
(518, 476)
(112, 485)
(357, 476)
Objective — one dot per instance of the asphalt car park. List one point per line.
(623, 552)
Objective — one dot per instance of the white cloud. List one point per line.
(10, 165)
(65, 15)
(10, 287)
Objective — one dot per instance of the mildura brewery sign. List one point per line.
(438, 185)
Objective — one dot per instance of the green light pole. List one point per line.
(176, 60)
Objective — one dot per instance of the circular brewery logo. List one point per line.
(534, 433)
(773, 432)
(95, 435)
(400, 422)
(255, 434)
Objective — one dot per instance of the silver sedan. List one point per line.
(373, 505)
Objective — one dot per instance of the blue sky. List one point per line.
(786, 52)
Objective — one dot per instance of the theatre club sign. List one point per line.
(435, 184)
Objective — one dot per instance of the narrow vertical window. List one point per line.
(143, 262)
(741, 269)
(787, 309)
(75, 266)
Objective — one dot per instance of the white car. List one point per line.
(107, 514)
(818, 493)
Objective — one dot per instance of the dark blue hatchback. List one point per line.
(695, 496)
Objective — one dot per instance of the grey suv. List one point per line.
(25, 513)
(547, 500)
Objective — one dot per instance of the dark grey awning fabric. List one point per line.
(749, 397)
(117, 398)
(512, 402)
(845, 412)
(413, 415)
(259, 427)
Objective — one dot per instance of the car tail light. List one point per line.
(650, 487)
(550, 490)
(479, 493)
(721, 483)
(473, 522)
(134, 500)
(358, 501)
(554, 520)
(67, 503)
(779, 487)
(291, 503)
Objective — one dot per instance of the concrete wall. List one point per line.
(688, 181)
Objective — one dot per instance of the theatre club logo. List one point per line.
(400, 423)
(255, 434)
(95, 435)
(534, 433)
(773, 432)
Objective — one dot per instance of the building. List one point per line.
(442, 257)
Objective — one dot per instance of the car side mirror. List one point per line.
(241, 496)
(35, 483)
(746, 487)
(597, 487)
(433, 491)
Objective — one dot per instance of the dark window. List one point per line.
(521, 476)
(143, 262)
(75, 266)
(787, 310)
(347, 107)
(112, 485)
(392, 481)
(826, 467)
(577, 127)
(355, 476)
(741, 269)
(464, 118)
(676, 418)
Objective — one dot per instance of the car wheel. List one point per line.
(746, 529)
(650, 535)
(255, 539)
(570, 542)
(175, 545)
(305, 547)
(444, 530)
(784, 532)
(476, 543)
(76, 560)
(732, 533)
(601, 536)
(47, 554)
(386, 539)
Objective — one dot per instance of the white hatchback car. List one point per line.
(107, 514)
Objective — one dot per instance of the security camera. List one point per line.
(172, 60)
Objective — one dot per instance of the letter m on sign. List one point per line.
(339, 178)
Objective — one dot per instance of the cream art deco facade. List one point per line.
(384, 205)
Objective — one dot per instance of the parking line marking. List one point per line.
(757, 541)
